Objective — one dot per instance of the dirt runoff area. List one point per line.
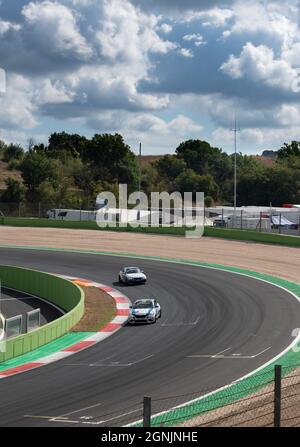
(270, 259)
(100, 309)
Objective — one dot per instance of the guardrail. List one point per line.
(62, 293)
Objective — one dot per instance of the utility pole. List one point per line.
(235, 130)
(140, 166)
(140, 181)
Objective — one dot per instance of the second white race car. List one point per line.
(132, 275)
(144, 311)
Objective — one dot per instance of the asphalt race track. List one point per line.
(13, 302)
(204, 312)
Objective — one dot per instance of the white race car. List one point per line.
(144, 311)
(132, 275)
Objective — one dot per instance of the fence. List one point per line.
(37, 210)
(266, 399)
(58, 291)
(271, 221)
(275, 220)
(269, 399)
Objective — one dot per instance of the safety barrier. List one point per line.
(62, 293)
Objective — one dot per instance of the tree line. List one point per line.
(72, 169)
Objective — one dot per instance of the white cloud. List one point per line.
(186, 52)
(273, 18)
(49, 92)
(255, 138)
(197, 38)
(111, 64)
(165, 28)
(55, 28)
(7, 26)
(259, 64)
(17, 110)
(289, 115)
(158, 135)
(128, 34)
(215, 17)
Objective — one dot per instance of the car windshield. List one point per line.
(133, 270)
(143, 305)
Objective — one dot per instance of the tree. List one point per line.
(59, 195)
(13, 151)
(36, 168)
(199, 156)
(2, 148)
(39, 148)
(276, 184)
(63, 146)
(190, 181)
(14, 192)
(111, 159)
(289, 150)
(169, 166)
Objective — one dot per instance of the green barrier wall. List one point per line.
(59, 291)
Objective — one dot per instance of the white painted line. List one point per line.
(78, 411)
(193, 323)
(261, 352)
(218, 353)
(110, 364)
(141, 360)
(210, 355)
(119, 416)
(230, 356)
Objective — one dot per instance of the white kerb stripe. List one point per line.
(120, 319)
(54, 357)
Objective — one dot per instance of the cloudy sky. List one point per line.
(159, 71)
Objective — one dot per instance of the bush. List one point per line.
(13, 151)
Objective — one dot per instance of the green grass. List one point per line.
(241, 235)
(253, 236)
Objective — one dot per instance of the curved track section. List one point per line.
(216, 327)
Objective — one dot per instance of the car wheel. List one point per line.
(159, 314)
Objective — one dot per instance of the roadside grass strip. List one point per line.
(72, 342)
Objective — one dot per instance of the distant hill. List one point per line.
(266, 161)
(147, 159)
